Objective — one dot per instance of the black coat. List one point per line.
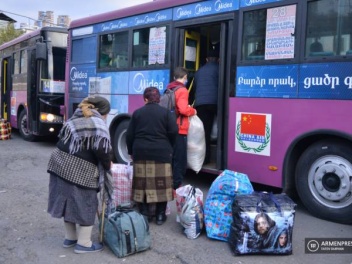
(92, 155)
(206, 83)
(151, 134)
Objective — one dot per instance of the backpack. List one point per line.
(168, 100)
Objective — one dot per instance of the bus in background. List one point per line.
(33, 82)
(283, 99)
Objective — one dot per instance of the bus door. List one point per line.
(6, 89)
(192, 44)
(191, 58)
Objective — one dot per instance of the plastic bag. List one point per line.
(189, 203)
(122, 182)
(195, 144)
(217, 207)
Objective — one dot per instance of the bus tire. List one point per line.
(22, 127)
(120, 147)
(323, 180)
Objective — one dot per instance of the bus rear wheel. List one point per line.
(324, 180)
(23, 128)
(120, 147)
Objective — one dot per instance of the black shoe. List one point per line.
(143, 209)
(161, 218)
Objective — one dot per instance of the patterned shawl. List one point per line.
(81, 130)
(89, 132)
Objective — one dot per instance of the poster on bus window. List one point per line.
(157, 45)
(280, 27)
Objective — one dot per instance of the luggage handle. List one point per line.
(272, 198)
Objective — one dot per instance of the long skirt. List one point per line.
(74, 204)
(152, 182)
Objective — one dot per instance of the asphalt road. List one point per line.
(29, 234)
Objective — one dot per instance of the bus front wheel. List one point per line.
(120, 147)
(25, 133)
(324, 180)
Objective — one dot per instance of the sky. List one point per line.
(74, 8)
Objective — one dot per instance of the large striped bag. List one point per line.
(217, 207)
(122, 175)
(5, 130)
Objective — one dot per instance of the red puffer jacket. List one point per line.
(183, 108)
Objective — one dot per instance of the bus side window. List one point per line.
(17, 62)
(119, 58)
(150, 46)
(333, 37)
(105, 50)
(254, 26)
(113, 50)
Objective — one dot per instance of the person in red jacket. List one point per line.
(184, 111)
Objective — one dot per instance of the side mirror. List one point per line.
(40, 51)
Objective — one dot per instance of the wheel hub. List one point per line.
(332, 181)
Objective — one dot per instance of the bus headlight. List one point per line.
(50, 118)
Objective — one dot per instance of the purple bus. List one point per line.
(284, 92)
(33, 82)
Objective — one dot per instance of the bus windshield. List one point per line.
(53, 79)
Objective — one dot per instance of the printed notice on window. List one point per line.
(280, 27)
(157, 45)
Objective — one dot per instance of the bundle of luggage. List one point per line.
(262, 224)
(123, 229)
(5, 129)
(251, 222)
(217, 208)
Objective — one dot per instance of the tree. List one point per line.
(9, 33)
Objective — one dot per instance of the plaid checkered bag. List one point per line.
(122, 175)
(5, 130)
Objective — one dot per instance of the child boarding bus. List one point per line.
(33, 82)
(285, 86)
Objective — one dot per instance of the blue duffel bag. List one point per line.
(126, 232)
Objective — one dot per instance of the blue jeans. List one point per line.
(179, 160)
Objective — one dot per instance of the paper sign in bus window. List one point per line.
(157, 44)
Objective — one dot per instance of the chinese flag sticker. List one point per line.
(253, 124)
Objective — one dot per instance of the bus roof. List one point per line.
(31, 35)
(129, 11)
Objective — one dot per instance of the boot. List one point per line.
(160, 213)
(144, 210)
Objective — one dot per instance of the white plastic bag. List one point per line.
(195, 144)
(189, 203)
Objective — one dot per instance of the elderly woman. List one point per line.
(150, 138)
(83, 153)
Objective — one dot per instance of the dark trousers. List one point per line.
(179, 160)
(207, 113)
(160, 208)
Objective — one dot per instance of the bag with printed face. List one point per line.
(262, 224)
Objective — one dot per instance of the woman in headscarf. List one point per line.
(150, 138)
(82, 156)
